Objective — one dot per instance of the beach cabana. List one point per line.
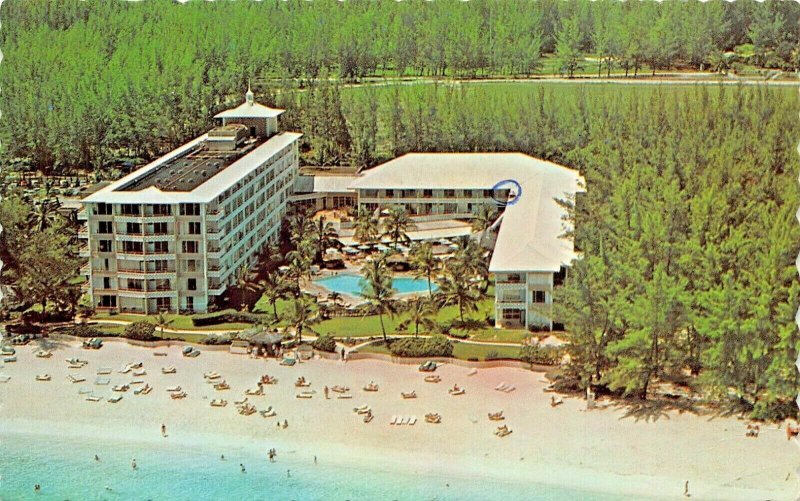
(266, 342)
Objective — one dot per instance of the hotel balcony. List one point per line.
(86, 269)
(82, 215)
(83, 233)
(84, 251)
(215, 215)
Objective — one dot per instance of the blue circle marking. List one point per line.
(507, 184)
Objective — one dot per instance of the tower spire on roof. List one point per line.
(249, 96)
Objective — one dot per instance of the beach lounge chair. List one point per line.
(178, 395)
(428, 366)
(125, 370)
(136, 365)
(121, 388)
(144, 390)
(218, 402)
(288, 362)
(76, 378)
(103, 371)
(502, 431)
(114, 399)
(43, 377)
(268, 412)
(304, 395)
(556, 401)
(212, 375)
(496, 416)
(240, 402)
(222, 386)
(168, 370)
(394, 420)
(361, 408)
(345, 396)
(472, 372)
(93, 398)
(412, 421)
(7, 351)
(254, 391)
(9, 360)
(340, 389)
(5, 379)
(102, 381)
(267, 379)
(501, 386)
(302, 383)
(44, 354)
(368, 417)
(433, 379)
(136, 381)
(159, 354)
(455, 390)
(140, 373)
(510, 389)
(174, 389)
(371, 387)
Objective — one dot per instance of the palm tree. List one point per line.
(44, 214)
(366, 227)
(335, 297)
(485, 216)
(471, 259)
(455, 288)
(300, 261)
(163, 321)
(300, 225)
(418, 312)
(424, 262)
(273, 288)
(301, 316)
(397, 225)
(324, 237)
(377, 289)
(245, 284)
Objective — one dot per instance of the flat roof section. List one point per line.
(188, 171)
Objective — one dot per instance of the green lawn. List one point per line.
(177, 322)
(117, 330)
(500, 335)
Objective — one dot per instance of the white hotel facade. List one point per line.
(171, 235)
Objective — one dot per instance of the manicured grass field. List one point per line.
(117, 330)
(177, 322)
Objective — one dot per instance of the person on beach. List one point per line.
(342, 353)
(326, 393)
(285, 424)
(686, 490)
(315, 459)
(164, 430)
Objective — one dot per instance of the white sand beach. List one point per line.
(599, 450)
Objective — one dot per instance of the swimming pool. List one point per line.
(351, 284)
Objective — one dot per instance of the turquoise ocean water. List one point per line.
(66, 469)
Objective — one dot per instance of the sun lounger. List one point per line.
(345, 396)
(268, 412)
(413, 420)
(371, 387)
(368, 417)
(168, 370)
(93, 398)
(103, 371)
(121, 388)
(174, 388)
(240, 402)
(472, 372)
(102, 381)
(9, 360)
(365, 410)
(5, 379)
(114, 399)
(304, 395)
(394, 420)
(254, 391)
(222, 386)
(218, 402)
(340, 389)
(144, 390)
(288, 361)
(361, 408)
(411, 394)
(44, 354)
(159, 354)
(76, 378)
(124, 370)
(432, 379)
(43, 377)
(496, 416)
(510, 389)
(501, 386)
(178, 395)
(212, 375)
(136, 381)
(140, 373)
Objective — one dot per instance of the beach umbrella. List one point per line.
(283, 268)
(364, 247)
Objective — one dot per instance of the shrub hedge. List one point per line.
(81, 330)
(228, 316)
(324, 343)
(434, 346)
(140, 331)
(544, 355)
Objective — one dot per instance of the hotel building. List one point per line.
(531, 253)
(172, 235)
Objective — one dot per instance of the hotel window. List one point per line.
(108, 302)
(160, 265)
(133, 228)
(449, 193)
(103, 209)
(163, 303)
(104, 246)
(191, 265)
(190, 209)
(512, 314)
(389, 193)
(160, 247)
(190, 246)
(129, 209)
(132, 247)
(538, 297)
(191, 284)
(105, 227)
(194, 228)
(162, 210)
(467, 193)
(487, 193)
(159, 229)
(427, 193)
(106, 282)
(190, 303)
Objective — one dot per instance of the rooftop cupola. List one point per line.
(261, 121)
(249, 97)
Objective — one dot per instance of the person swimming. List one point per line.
(133, 463)
(37, 487)
(96, 457)
(222, 457)
(242, 467)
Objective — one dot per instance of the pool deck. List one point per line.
(349, 300)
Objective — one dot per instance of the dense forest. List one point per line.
(687, 227)
(94, 84)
